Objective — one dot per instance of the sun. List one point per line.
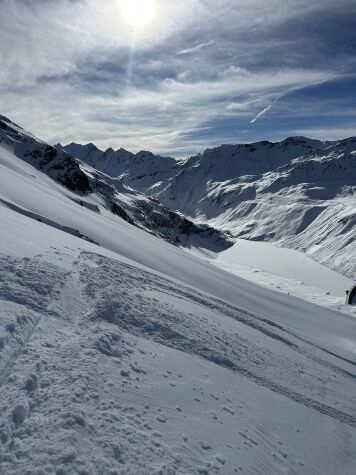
(138, 12)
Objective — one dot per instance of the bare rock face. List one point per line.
(59, 166)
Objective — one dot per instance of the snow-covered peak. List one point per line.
(301, 140)
(271, 191)
(284, 191)
(145, 171)
(140, 170)
(299, 193)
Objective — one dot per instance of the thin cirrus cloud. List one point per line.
(204, 72)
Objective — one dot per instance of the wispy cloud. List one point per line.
(196, 48)
(197, 79)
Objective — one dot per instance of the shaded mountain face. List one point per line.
(99, 192)
(299, 193)
(139, 171)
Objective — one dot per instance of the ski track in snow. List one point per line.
(110, 369)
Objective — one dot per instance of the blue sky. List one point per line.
(203, 72)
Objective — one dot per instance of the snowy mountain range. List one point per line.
(298, 193)
(121, 353)
(113, 195)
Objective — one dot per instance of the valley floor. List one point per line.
(108, 367)
(287, 271)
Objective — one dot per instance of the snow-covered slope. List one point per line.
(135, 357)
(100, 193)
(287, 271)
(298, 193)
(307, 203)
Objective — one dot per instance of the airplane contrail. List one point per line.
(264, 111)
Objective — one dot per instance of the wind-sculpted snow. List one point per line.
(117, 370)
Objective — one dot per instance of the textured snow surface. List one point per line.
(107, 366)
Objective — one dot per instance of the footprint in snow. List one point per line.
(19, 414)
(205, 445)
(162, 418)
(220, 458)
(31, 383)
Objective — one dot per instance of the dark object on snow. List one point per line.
(351, 296)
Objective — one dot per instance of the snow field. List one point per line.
(126, 372)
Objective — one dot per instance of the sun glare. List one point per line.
(138, 13)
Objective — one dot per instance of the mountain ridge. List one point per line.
(128, 204)
(247, 189)
(298, 193)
